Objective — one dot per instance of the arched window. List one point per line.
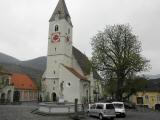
(56, 28)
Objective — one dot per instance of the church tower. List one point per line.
(59, 50)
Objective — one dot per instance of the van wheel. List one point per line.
(100, 116)
(123, 115)
(112, 118)
(88, 114)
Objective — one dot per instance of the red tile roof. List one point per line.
(76, 73)
(22, 81)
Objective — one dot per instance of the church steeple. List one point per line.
(61, 12)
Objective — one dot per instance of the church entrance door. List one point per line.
(54, 96)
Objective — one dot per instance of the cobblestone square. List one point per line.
(23, 112)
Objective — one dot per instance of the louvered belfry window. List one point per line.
(56, 28)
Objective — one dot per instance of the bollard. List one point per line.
(76, 117)
(76, 106)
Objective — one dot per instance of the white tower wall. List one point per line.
(59, 52)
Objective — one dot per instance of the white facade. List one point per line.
(71, 85)
(64, 76)
(10, 91)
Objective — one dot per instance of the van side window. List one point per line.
(109, 106)
(99, 106)
(93, 106)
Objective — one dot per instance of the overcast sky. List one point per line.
(24, 25)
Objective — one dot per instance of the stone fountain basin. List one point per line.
(58, 108)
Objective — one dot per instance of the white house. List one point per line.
(68, 73)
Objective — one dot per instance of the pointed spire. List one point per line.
(60, 10)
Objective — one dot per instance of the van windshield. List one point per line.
(118, 105)
(109, 106)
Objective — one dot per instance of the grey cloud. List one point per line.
(24, 24)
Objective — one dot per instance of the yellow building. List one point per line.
(150, 96)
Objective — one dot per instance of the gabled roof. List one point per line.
(22, 81)
(84, 63)
(61, 10)
(76, 73)
(82, 60)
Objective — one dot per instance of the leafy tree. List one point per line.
(110, 87)
(134, 85)
(1, 68)
(117, 55)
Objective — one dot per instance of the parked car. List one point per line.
(119, 109)
(102, 110)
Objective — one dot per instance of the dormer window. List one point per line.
(56, 28)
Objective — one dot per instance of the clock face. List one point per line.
(55, 37)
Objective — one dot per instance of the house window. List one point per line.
(55, 49)
(30, 95)
(158, 98)
(69, 31)
(7, 81)
(152, 98)
(147, 98)
(56, 28)
(139, 100)
(54, 72)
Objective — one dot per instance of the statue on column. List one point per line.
(61, 88)
(61, 97)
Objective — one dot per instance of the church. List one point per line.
(69, 73)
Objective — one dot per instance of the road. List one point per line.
(23, 112)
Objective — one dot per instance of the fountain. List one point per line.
(60, 107)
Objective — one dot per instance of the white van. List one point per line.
(102, 110)
(119, 109)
